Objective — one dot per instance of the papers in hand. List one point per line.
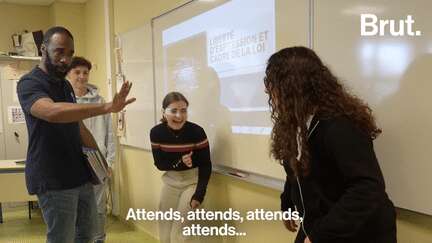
(98, 165)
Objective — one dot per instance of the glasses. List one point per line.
(175, 111)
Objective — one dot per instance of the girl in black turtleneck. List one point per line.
(181, 149)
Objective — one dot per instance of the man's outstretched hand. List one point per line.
(120, 100)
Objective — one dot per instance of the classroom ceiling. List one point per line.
(40, 2)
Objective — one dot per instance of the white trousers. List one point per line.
(178, 188)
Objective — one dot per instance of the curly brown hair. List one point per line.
(299, 85)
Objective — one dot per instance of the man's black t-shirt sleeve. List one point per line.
(29, 91)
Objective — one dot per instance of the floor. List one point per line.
(17, 228)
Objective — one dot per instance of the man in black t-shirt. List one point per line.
(56, 169)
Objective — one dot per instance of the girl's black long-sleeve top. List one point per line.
(344, 194)
(168, 147)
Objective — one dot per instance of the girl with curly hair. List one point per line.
(322, 136)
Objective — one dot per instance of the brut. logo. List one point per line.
(371, 26)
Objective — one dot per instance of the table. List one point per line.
(12, 184)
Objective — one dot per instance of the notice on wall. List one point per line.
(15, 115)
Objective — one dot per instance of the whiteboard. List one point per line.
(393, 74)
(215, 53)
(135, 55)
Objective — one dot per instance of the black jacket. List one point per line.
(344, 194)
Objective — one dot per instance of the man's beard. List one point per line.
(58, 71)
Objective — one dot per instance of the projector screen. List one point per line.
(215, 53)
